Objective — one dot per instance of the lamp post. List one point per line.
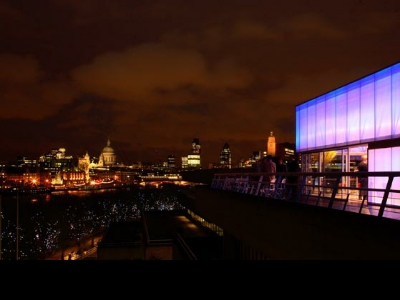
(1, 219)
(17, 230)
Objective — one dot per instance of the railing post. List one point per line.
(277, 183)
(300, 189)
(259, 185)
(385, 196)
(226, 182)
(334, 191)
(347, 200)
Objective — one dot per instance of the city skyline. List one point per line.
(152, 76)
(223, 158)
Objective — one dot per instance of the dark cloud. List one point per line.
(153, 75)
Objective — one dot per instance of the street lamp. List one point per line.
(0, 226)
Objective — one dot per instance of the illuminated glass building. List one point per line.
(184, 162)
(225, 158)
(194, 158)
(335, 129)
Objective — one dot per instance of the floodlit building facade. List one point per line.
(271, 145)
(334, 130)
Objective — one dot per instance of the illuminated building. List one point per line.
(56, 160)
(194, 158)
(171, 161)
(184, 162)
(106, 159)
(335, 129)
(285, 150)
(98, 167)
(196, 147)
(225, 158)
(84, 164)
(107, 156)
(193, 161)
(60, 167)
(271, 145)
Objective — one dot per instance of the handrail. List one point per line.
(334, 190)
(185, 248)
(85, 254)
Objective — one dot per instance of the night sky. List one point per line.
(154, 75)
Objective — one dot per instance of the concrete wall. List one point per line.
(283, 230)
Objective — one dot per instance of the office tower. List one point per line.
(196, 147)
(194, 158)
(171, 161)
(225, 158)
(184, 162)
(271, 145)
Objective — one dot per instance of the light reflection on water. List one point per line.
(49, 221)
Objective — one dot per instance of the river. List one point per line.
(35, 226)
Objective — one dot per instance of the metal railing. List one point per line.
(185, 249)
(334, 190)
(85, 254)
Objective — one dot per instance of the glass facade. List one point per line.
(335, 129)
(363, 111)
(225, 158)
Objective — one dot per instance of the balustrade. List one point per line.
(337, 190)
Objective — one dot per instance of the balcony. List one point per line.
(338, 190)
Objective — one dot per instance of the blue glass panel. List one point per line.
(367, 108)
(298, 148)
(311, 114)
(341, 116)
(330, 119)
(383, 104)
(396, 101)
(384, 163)
(303, 128)
(396, 181)
(353, 113)
(320, 122)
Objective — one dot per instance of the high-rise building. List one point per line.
(225, 158)
(271, 145)
(184, 162)
(194, 158)
(171, 161)
(285, 150)
(196, 147)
